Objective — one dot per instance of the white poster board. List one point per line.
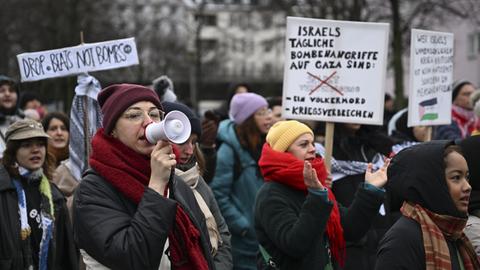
(78, 59)
(335, 70)
(431, 73)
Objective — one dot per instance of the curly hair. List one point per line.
(55, 115)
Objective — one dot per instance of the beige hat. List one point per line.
(25, 129)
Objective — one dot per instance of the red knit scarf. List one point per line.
(435, 228)
(465, 120)
(129, 172)
(285, 168)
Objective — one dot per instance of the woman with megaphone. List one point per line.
(130, 210)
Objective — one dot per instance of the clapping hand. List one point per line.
(378, 178)
(310, 177)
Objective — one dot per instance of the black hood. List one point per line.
(471, 151)
(417, 174)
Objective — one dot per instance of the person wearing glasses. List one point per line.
(237, 178)
(130, 211)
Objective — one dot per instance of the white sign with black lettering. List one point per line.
(431, 73)
(335, 70)
(78, 59)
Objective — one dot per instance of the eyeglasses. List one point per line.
(263, 112)
(138, 116)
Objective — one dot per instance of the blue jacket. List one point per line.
(447, 132)
(236, 197)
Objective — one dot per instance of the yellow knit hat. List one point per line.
(284, 133)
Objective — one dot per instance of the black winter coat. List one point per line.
(122, 235)
(363, 146)
(291, 226)
(62, 253)
(402, 248)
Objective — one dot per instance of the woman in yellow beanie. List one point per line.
(297, 219)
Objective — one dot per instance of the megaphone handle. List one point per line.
(170, 182)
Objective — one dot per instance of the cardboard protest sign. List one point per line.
(78, 59)
(335, 70)
(431, 72)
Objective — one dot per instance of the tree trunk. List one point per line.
(397, 60)
(198, 57)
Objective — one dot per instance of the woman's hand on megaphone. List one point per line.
(162, 160)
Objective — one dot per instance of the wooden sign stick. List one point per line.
(429, 133)
(329, 129)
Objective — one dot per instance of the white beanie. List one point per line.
(475, 102)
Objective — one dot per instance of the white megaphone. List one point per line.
(175, 127)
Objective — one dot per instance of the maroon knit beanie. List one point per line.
(116, 98)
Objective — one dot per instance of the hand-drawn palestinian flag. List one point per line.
(427, 109)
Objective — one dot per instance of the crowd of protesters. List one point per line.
(248, 189)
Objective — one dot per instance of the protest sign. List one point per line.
(335, 70)
(78, 59)
(431, 72)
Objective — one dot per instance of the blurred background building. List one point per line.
(207, 45)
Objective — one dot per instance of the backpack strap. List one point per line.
(238, 165)
(267, 258)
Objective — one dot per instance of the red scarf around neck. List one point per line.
(285, 168)
(129, 172)
(465, 119)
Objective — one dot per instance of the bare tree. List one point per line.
(402, 15)
(28, 26)
(405, 15)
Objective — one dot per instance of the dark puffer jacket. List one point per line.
(361, 146)
(291, 226)
(417, 175)
(122, 235)
(61, 253)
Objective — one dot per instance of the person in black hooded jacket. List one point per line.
(359, 145)
(402, 133)
(471, 151)
(432, 180)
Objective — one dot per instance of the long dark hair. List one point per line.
(200, 157)
(10, 159)
(249, 135)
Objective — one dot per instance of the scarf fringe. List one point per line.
(435, 228)
(192, 178)
(47, 215)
